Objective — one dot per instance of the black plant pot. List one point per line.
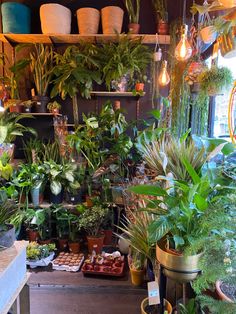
(56, 199)
(74, 198)
(40, 103)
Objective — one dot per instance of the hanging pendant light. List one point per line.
(183, 51)
(164, 78)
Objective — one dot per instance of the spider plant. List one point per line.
(133, 10)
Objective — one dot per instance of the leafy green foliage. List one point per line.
(219, 307)
(128, 56)
(35, 251)
(75, 71)
(7, 210)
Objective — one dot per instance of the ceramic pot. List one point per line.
(17, 108)
(55, 19)
(88, 21)
(62, 244)
(74, 247)
(139, 87)
(162, 27)
(112, 20)
(144, 304)
(16, 18)
(221, 294)
(137, 277)
(134, 28)
(123, 244)
(180, 268)
(95, 243)
(7, 237)
(40, 103)
(107, 237)
(56, 199)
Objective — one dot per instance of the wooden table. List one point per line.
(14, 291)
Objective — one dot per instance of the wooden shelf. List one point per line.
(14, 39)
(47, 205)
(114, 94)
(41, 114)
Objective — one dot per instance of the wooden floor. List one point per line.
(57, 292)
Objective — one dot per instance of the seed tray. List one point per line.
(68, 262)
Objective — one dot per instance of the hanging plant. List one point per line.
(213, 81)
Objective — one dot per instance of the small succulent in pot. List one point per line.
(54, 107)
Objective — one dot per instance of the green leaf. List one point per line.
(178, 241)
(148, 190)
(55, 187)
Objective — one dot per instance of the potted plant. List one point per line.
(62, 226)
(10, 128)
(160, 7)
(74, 245)
(133, 9)
(75, 72)
(136, 266)
(54, 107)
(121, 61)
(112, 20)
(214, 80)
(41, 64)
(7, 231)
(39, 255)
(107, 226)
(27, 105)
(91, 220)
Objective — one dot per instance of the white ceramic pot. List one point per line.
(208, 34)
(124, 244)
(55, 19)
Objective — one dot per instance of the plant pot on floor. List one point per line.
(55, 19)
(95, 243)
(7, 237)
(134, 28)
(40, 103)
(74, 247)
(33, 235)
(145, 307)
(16, 18)
(208, 34)
(88, 21)
(112, 20)
(180, 268)
(137, 277)
(62, 244)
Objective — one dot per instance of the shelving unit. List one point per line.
(114, 94)
(15, 39)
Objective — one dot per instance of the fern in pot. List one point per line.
(214, 80)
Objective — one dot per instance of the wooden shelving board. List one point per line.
(42, 114)
(15, 39)
(114, 94)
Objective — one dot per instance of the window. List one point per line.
(222, 101)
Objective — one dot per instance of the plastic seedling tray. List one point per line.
(68, 262)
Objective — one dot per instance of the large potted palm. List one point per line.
(74, 73)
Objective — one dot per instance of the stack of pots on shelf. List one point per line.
(16, 18)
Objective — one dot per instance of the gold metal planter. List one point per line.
(179, 268)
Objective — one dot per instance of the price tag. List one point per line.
(153, 293)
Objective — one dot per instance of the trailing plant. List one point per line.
(41, 65)
(127, 57)
(10, 127)
(214, 80)
(133, 9)
(160, 7)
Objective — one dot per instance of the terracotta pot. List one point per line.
(162, 28)
(107, 237)
(145, 302)
(62, 244)
(88, 21)
(220, 293)
(74, 247)
(16, 108)
(134, 28)
(112, 20)
(139, 87)
(137, 277)
(208, 34)
(95, 243)
(33, 235)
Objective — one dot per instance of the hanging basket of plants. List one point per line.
(194, 70)
(213, 81)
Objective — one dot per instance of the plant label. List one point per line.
(153, 293)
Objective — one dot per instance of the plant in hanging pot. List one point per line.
(41, 64)
(75, 72)
(7, 231)
(160, 7)
(214, 80)
(91, 220)
(121, 61)
(133, 9)
(54, 107)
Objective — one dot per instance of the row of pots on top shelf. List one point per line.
(39, 104)
(56, 19)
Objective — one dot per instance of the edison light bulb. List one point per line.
(164, 78)
(183, 51)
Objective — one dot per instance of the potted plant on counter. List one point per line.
(133, 9)
(54, 107)
(160, 7)
(90, 221)
(7, 231)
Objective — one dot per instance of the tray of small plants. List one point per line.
(104, 264)
(68, 262)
